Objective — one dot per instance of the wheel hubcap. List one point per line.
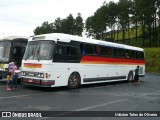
(73, 80)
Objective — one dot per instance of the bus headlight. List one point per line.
(40, 75)
(23, 73)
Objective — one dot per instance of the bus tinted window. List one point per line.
(106, 51)
(60, 52)
(72, 53)
(89, 49)
(98, 49)
(130, 53)
(139, 55)
(66, 53)
(118, 52)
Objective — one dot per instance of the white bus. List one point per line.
(12, 48)
(58, 59)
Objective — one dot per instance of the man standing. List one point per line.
(136, 77)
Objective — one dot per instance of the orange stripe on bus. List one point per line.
(31, 65)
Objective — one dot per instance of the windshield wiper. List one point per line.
(38, 55)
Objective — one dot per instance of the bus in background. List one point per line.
(12, 49)
(58, 59)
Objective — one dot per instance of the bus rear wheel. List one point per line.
(74, 81)
(130, 77)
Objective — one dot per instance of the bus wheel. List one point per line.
(74, 81)
(130, 76)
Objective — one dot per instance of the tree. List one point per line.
(66, 25)
(57, 23)
(124, 18)
(99, 21)
(72, 26)
(135, 12)
(112, 16)
(44, 28)
(89, 26)
(79, 25)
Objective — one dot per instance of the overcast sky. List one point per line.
(21, 17)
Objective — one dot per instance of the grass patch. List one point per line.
(152, 56)
(132, 34)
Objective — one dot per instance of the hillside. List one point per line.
(152, 56)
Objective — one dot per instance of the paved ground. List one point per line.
(117, 97)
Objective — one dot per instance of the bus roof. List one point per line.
(67, 38)
(13, 37)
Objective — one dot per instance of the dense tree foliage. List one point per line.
(45, 28)
(123, 16)
(70, 25)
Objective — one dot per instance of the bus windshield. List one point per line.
(39, 50)
(4, 50)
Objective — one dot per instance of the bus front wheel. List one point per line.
(74, 81)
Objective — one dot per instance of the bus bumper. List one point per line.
(38, 82)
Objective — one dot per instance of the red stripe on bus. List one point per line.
(104, 60)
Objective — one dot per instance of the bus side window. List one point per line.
(104, 51)
(98, 49)
(131, 54)
(72, 53)
(61, 50)
(118, 52)
(139, 55)
(109, 51)
(126, 55)
(82, 49)
(60, 53)
(90, 49)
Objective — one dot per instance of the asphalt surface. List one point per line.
(119, 97)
